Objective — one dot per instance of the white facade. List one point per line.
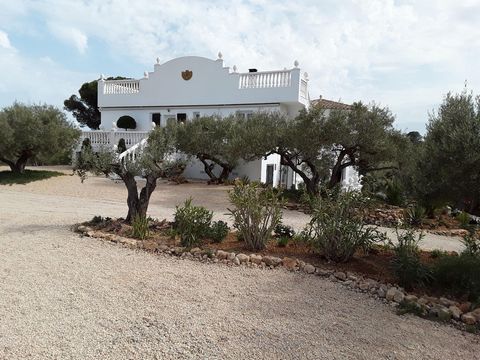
(188, 87)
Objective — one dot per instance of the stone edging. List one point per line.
(441, 309)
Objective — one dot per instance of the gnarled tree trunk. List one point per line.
(19, 165)
(138, 203)
(226, 168)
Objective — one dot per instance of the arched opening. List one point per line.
(126, 122)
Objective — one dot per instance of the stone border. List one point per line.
(441, 309)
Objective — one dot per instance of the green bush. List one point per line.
(283, 241)
(459, 275)
(394, 193)
(218, 231)
(336, 228)
(284, 231)
(464, 219)
(257, 211)
(414, 215)
(121, 147)
(472, 245)
(140, 227)
(192, 223)
(126, 122)
(406, 263)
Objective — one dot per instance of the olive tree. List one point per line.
(158, 159)
(212, 140)
(27, 131)
(448, 170)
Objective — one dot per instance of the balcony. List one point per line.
(109, 139)
(265, 79)
(115, 87)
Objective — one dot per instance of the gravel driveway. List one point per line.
(67, 297)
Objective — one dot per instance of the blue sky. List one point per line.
(402, 54)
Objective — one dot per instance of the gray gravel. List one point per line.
(66, 297)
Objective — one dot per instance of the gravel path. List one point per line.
(67, 297)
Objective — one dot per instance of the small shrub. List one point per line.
(257, 211)
(394, 194)
(464, 219)
(459, 275)
(414, 215)
(472, 245)
(284, 231)
(406, 263)
(283, 241)
(121, 147)
(218, 231)
(140, 227)
(192, 223)
(436, 253)
(336, 228)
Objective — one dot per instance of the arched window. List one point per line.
(126, 122)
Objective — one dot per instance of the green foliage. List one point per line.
(192, 223)
(121, 147)
(464, 219)
(394, 193)
(218, 231)
(140, 227)
(459, 275)
(27, 131)
(447, 170)
(282, 230)
(126, 122)
(414, 215)
(257, 211)
(406, 263)
(85, 108)
(283, 241)
(472, 245)
(336, 229)
(10, 178)
(98, 221)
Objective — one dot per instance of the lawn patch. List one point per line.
(10, 178)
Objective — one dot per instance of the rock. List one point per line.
(441, 312)
(150, 245)
(364, 285)
(446, 302)
(132, 243)
(221, 255)
(178, 250)
(323, 272)
(410, 299)
(381, 292)
(82, 228)
(236, 261)
(340, 275)
(352, 277)
(469, 319)
(455, 311)
(256, 259)
(393, 294)
(476, 313)
(309, 269)
(289, 263)
(231, 256)
(301, 264)
(163, 248)
(465, 307)
(272, 260)
(243, 258)
(195, 250)
(423, 301)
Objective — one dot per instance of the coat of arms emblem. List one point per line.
(187, 75)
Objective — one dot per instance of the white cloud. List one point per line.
(402, 53)
(70, 36)
(4, 41)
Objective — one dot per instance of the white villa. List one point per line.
(188, 87)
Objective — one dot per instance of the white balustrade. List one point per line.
(132, 153)
(114, 87)
(265, 79)
(303, 89)
(99, 138)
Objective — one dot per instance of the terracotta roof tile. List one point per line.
(329, 104)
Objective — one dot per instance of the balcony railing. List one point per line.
(121, 87)
(265, 79)
(99, 138)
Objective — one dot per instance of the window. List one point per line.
(181, 118)
(156, 118)
(245, 114)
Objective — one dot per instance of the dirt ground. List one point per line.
(67, 297)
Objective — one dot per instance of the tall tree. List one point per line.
(85, 108)
(213, 141)
(35, 130)
(449, 167)
(156, 160)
